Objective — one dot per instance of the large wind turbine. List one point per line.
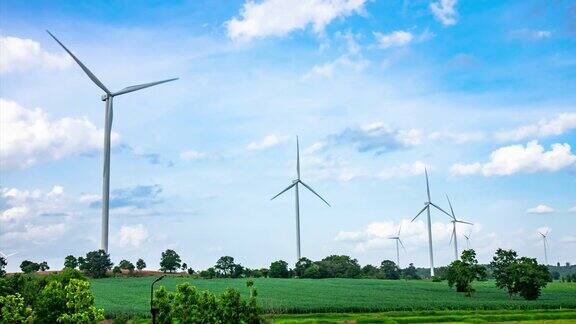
(454, 235)
(427, 209)
(545, 241)
(107, 98)
(398, 242)
(6, 256)
(294, 185)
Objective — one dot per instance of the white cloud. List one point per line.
(36, 233)
(540, 209)
(192, 155)
(402, 171)
(573, 209)
(19, 54)
(445, 12)
(518, 158)
(280, 17)
(21, 205)
(133, 236)
(29, 136)
(531, 34)
(458, 138)
(397, 38)
(545, 127)
(267, 142)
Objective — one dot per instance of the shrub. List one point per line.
(80, 304)
(279, 269)
(116, 270)
(51, 302)
(463, 272)
(3, 265)
(162, 303)
(13, 309)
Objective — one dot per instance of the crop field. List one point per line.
(293, 296)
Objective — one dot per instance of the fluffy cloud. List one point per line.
(136, 197)
(280, 17)
(192, 155)
(36, 233)
(19, 54)
(18, 205)
(518, 158)
(29, 136)
(402, 171)
(531, 34)
(267, 142)
(445, 12)
(397, 38)
(540, 209)
(545, 127)
(133, 236)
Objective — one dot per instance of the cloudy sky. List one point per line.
(481, 92)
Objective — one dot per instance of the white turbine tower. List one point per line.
(426, 208)
(107, 98)
(545, 242)
(294, 185)
(454, 236)
(467, 237)
(398, 242)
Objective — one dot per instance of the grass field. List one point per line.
(282, 296)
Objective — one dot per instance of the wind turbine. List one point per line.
(427, 208)
(398, 241)
(6, 256)
(467, 240)
(294, 185)
(107, 98)
(454, 235)
(545, 241)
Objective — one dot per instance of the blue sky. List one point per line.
(479, 91)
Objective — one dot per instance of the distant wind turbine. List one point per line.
(427, 209)
(294, 185)
(398, 242)
(545, 241)
(454, 235)
(467, 240)
(107, 98)
(6, 256)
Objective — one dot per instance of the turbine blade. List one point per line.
(314, 192)
(451, 209)
(420, 212)
(399, 229)
(283, 191)
(451, 238)
(440, 209)
(88, 72)
(297, 158)
(141, 86)
(427, 184)
(402, 244)
(463, 222)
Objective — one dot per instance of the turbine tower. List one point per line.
(545, 241)
(467, 241)
(398, 242)
(107, 97)
(454, 235)
(427, 208)
(294, 185)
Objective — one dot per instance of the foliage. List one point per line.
(370, 271)
(3, 265)
(80, 304)
(301, 266)
(339, 266)
(170, 261)
(503, 270)
(13, 309)
(207, 274)
(70, 262)
(184, 266)
(28, 266)
(96, 264)
(279, 269)
(530, 277)
(464, 271)
(51, 302)
(162, 301)
(225, 266)
(410, 273)
(126, 265)
(116, 270)
(190, 271)
(390, 270)
(312, 272)
(43, 266)
(140, 264)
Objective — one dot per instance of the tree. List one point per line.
(80, 304)
(370, 271)
(530, 277)
(225, 265)
(208, 273)
(170, 261)
(140, 264)
(28, 266)
(13, 309)
(464, 271)
(410, 273)
(43, 266)
(70, 262)
(3, 265)
(184, 266)
(126, 265)
(312, 272)
(339, 266)
(51, 302)
(503, 270)
(279, 269)
(390, 270)
(301, 266)
(96, 264)
(190, 271)
(116, 270)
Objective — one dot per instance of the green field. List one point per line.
(281, 296)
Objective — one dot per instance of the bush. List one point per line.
(462, 273)
(3, 265)
(13, 309)
(70, 262)
(80, 304)
(96, 264)
(51, 302)
(279, 269)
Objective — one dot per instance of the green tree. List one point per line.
(3, 265)
(162, 303)
(279, 269)
(80, 304)
(225, 266)
(96, 264)
(184, 266)
(301, 266)
(43, 266)
(126, 265)
(51, 302)
(530, 277)
(170, 261)
(70, 262)
(28, 266)
(208, 273)
(13, 309)
(312, 272)
(410, 273)
(390, 270)
(370, 271)
(140, 264)
(339, 266)
(503, 267)
(116, 270)
(461, 273)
